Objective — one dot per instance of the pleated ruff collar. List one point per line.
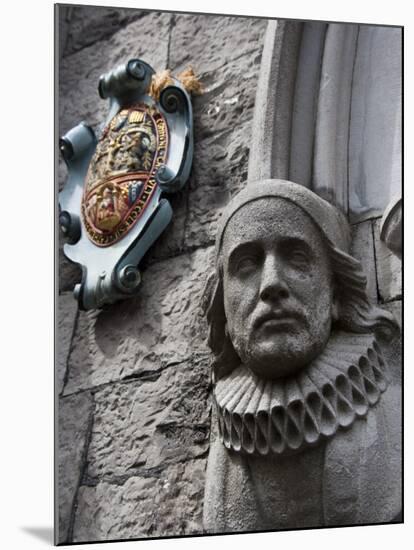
(258, 416)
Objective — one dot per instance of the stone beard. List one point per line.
(306, 425)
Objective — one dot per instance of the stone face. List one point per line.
(388, 268)
(278, 289)
(67, 310)
(73, 427)
(160, 326)
(165, 503)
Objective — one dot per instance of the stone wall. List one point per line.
(133, 379)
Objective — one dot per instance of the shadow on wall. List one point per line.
(44, 534)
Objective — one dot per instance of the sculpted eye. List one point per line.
(245, 259)
(299, 258)
(246, 264)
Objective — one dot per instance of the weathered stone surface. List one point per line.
(168, 503)
(161, 325)
(219, 170)
(69, 273)
(396, 309)
(62, 173)
(388, 268)
(363, 249)
(229, 76)
(392, 226)
(67, 309)
(80, 72)
(393, 350)
(228, 100)
(63, 22)
(73, 427)
(226, 56)
(217, 40)
(82, 26)
(147, 424)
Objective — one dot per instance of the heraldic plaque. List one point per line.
(113, 208)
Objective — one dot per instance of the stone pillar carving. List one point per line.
(306, 426)
(391, 227)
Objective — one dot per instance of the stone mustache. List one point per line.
(306, 428)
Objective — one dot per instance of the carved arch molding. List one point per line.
(328, 113)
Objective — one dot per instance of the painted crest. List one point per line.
(114, 206)
(121, 176)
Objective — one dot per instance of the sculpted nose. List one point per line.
(273, 285)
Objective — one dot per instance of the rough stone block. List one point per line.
(363, 249)
(73, 425)
(160, 326)
(79, 73)
(82, 26)
(214, 40)
(228, 100)
(219, 171)
(67, 309)
(69, 273)
(226, 56)
(62, 173)
(146, 424)
(168, 503)
(388, 269)
(64, 16)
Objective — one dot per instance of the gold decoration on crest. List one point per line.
(136, 117)
(128, 154)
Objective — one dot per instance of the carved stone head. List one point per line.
(297, 366)
(278, 287)
(283, 279)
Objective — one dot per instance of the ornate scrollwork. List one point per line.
(172, 99)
